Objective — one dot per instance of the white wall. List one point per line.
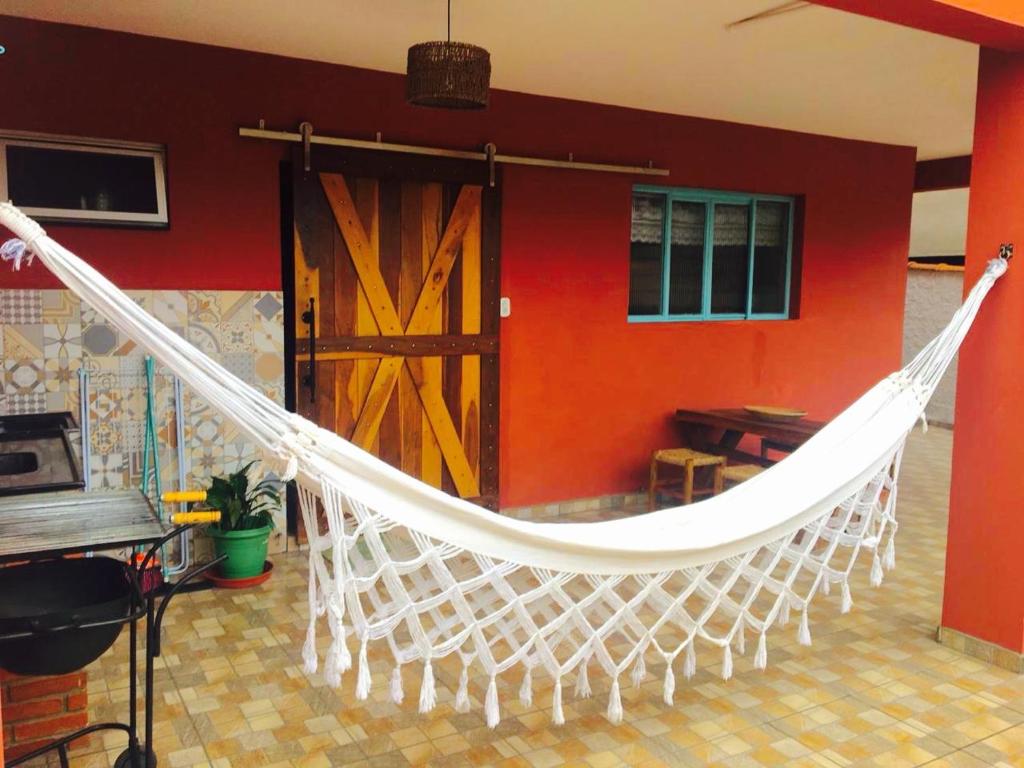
(938, 224)
(938, 227)
(932, 298)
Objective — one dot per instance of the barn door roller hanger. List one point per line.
(489, 154)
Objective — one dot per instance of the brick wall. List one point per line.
(37, 710)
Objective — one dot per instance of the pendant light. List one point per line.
(448, 75)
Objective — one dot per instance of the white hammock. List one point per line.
(434, 575)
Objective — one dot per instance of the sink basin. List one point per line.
(19, 463)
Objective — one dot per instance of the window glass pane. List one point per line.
(686, 269)
(771, 241)
(43, 177)
(730, 259)
(647, 236)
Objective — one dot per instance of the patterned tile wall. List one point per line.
(47, 336)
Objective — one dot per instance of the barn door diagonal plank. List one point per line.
(363, 257)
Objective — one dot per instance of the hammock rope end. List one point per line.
(397, 694)
(491, 704)
(557, 715)
(428, 694)
(526, 689)
(615, 704)
(462, 695)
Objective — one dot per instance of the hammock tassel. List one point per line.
(526, 689)
(826, 584)
(890, 553)
(847, 597)
(741, 637)
(727, 662)
(804, 636)
(639, 670)
(428, 696)
(668, 692)
(15, 251)
(397, 694)
(557, 716)
(690, 660)
(332, 666)
(615, 704)
(761, 657)
(876, 570)
(462, 695)
(491, 704)
(784, 610)
(583, 682)
(363, 678)
(309, 657)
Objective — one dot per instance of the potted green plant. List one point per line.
(247, 518)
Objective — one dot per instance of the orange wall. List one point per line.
(984, 596)
(994, 23)
(585, 396)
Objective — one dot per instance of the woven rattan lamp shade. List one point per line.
(449, 75)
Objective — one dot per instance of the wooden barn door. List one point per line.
(396, 275)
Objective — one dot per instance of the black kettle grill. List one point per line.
(46, 600)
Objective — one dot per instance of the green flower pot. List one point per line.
(246, 551)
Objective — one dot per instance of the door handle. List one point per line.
(309, 318)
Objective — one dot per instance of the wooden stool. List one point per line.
(687, 459)
(739, 473)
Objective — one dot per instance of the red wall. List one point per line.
(585, 395)
(984, 596)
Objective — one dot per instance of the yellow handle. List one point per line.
(205, 516)
(183, 497)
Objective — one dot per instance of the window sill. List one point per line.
(654, 319)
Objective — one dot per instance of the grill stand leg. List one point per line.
(132, 756)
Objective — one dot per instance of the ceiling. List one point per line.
(814, 69)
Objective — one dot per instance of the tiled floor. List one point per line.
(874, 689)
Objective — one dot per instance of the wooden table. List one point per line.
(720, 431)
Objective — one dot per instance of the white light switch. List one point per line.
(505, 307)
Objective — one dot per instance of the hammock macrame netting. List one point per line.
(393, 560)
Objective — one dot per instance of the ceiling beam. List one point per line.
(991, 23)
(945, 173)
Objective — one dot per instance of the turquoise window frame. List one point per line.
(709, 198)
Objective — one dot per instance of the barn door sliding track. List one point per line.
(489, 154)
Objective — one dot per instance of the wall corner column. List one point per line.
(983, 602)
